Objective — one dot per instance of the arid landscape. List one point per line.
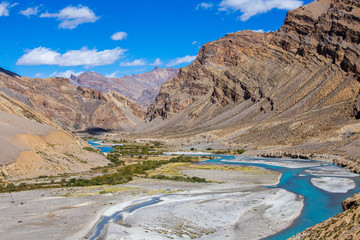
(255, 137)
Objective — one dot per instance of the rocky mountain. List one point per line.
(295, 86)
(141, 88)
(32, 145)
(7, 72)
(71, 108)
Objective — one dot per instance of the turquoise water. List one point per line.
(97, 145)
(319, 205)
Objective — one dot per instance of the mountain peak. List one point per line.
(7, 72)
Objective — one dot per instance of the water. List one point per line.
(319, 205)
(97, 144)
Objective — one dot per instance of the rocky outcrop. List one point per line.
(141, 88)
(56, 101)
(343, 226)
(294, 86)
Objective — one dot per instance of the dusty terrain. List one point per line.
(71, 213)
(31, 149)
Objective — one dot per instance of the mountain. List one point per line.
(7, 72)
(31, 145)
(69, 107)
(298, 86)
(141, 88)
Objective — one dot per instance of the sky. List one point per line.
(121, 37)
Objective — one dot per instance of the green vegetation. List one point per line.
(240, 151)
(91, 149)
(131, 150)
(122, 175)
(181, 178)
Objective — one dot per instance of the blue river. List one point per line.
(97, 145)
(319, 205)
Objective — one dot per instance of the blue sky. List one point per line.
(121, 37)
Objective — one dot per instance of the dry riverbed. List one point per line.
(235, 204)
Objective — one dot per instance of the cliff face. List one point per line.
(71, 108)
(297, 85)
(141, 88)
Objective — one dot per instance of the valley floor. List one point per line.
(72, 213)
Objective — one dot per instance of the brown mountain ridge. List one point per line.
(141, 88)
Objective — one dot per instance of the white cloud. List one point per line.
(70, 17)
(83, 57)
(66, 74)
(250, 8)
(113, 75)
(157, 62)
(194, 42)
(204, 5)
(137, 62)
(39, 75)
(119, 36)
(4, 8)
(180, 60)
(30, 11)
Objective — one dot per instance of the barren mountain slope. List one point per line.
(142, 88)
(31, 145)
(31, 149)
(297, 85)
(71, 108)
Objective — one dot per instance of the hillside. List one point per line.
(298, 86)
(141, 88)
(71, 108)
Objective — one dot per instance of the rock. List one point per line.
(269, 89)
(56, 101)
(141, 88)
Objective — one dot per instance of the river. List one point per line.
(320, 202)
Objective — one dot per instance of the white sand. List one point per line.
(282, 163)
(238, 215)
(334, 184)
(334, 171)
(186, 153)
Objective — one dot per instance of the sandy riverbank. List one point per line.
(70, 213)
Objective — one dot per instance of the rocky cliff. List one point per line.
(67, 106)
(298, 85)
(141, 88)
(343, 226)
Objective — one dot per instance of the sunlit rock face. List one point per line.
(291, 86)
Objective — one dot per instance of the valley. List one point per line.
(257, 138)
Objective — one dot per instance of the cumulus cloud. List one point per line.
(30, 11)
(137, 62)
(83, 57)
(70, 17)
(4, 8)
(250, 8)
(119, 36)
(204, 5)
(157, 62)
(180, 60)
